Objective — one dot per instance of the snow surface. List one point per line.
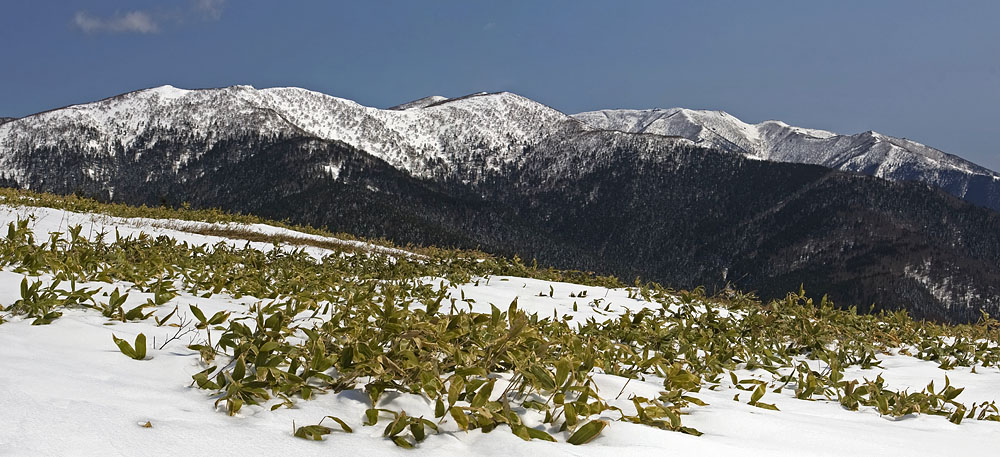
(65, 390)
(48, 220)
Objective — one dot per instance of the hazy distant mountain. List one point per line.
(870, 153)
(512, 176)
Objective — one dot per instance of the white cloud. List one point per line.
(146, 22)
(131, 22)
(209, 9)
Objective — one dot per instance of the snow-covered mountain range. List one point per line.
(870, 152)
(683, 197)
(465, 135)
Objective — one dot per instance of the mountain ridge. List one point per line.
(412, 140)
(410, 135)
(869, 152)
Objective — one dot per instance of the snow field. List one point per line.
(65, 389)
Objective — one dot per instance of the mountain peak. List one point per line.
(494, 96)
(419, 103)
(167, 91)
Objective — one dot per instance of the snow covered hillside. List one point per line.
(477, 131)
(67, 389)
(871, 153)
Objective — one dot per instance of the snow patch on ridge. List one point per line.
(420, 103)
(943, 290)
(332, 169)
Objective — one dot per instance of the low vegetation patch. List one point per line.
(374, 323)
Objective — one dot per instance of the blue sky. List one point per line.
(929, 71)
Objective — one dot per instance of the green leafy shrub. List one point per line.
(135, 351)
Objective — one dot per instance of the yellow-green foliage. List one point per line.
(498, 265)
(365, 321)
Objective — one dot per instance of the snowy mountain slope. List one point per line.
(468, 135)
(870, 152)
(68, 380)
